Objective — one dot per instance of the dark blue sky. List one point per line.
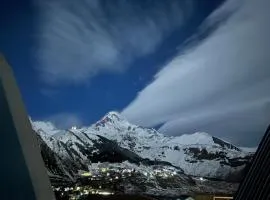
(20, 26)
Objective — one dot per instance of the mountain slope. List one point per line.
(114, 139)
(198, 154)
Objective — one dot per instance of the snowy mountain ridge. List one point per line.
(198, 154)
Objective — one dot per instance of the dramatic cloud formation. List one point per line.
(79, 40)
(221, 85)
(65, 120)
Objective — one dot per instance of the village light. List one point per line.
(87, 174)
(105, 193)
(202, 179)
(103, 169)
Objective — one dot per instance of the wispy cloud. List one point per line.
(65, 120)
(226, 76)
(78, 40)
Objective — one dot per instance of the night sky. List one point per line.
(163, 63)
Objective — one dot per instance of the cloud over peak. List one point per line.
(226, 76)
(65, 120)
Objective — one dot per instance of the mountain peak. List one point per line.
(195, 138)
(44, 125)
(113, 115)
(201, 134)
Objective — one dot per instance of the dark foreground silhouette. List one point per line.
(118, 197)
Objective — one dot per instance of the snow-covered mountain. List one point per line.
(114, 139)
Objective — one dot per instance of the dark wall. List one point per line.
(256, 184)
(14, 175)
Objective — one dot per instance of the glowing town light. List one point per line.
(73, 128)
(103, 169)
(105, 193)
(201, 179)
(87, 174)
(116, 177)
(78, 188)
(108, 174)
